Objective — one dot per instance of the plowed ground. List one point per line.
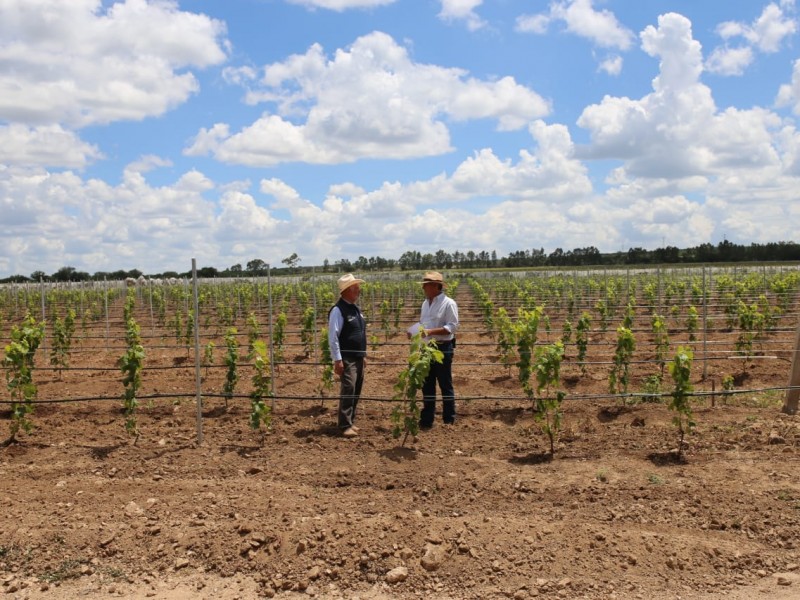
(476, 510)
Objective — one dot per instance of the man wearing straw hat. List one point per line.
(347, 338)
(439, 321)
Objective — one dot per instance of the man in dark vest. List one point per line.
(347, 338)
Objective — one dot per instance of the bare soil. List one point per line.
(475, 510)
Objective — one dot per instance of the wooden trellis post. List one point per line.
(793, 395)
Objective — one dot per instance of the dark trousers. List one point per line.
(350, 391)
(441, 373)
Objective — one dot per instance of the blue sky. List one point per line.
(142, 134)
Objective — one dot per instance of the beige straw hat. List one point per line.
(345, 281)
(433, 277)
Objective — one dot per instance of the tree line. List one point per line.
(413, 260)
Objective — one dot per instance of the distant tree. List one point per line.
(207, 272)
(668, 254)
(15, 279)
(69, 274)
(361, 263)
(637, 256)
(326, 265)
(63, 274)
(257, 267)
(237, 268)
(538, 257)
(110, 276)
(556, 257)
(378, 263)
(410, 259)
(443, 260)
(291, 261)
(39, 276)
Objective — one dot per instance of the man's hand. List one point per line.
(338, 368)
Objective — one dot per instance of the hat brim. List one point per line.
(424, 281)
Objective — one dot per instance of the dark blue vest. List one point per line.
(353, 336)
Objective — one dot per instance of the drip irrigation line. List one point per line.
(720, 339)
(642, 344)
(729, 355)
(568, 361)
(388, 399)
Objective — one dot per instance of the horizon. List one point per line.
(137, 134)
(463, 260)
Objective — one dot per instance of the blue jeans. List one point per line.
(441, 373)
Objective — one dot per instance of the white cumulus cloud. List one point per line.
(612, 65)
(765, 34)
(368, 101)
(45, 145)
(341, 5)
(77, 63)
(462, 11)
(789, 93)
(580, 18)
(729, 61)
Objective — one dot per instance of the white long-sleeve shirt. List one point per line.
(442, 311)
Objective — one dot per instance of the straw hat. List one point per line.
(433, 277)
(345, 281)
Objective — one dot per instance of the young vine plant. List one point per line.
(260, 412)
(131, 363)
(231, 360)
(307, 332)
(660, 340)
(326, 383)
(279, 336)
(582, 339)
(526, 330)
(63, 331)
(619, 376)
(405, 415)
(549, 395)
(19, 363)
(681, 369)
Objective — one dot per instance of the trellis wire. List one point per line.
(463, 398)
(586, 297)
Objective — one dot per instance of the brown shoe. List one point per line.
(354, 428)
(350, 432)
